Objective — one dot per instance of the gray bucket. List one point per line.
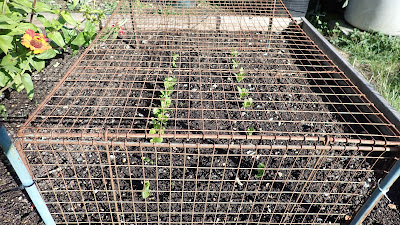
(185, 4)
(297, 8)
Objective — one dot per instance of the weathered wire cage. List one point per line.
(260, 126)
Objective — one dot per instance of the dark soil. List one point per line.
(183, 162)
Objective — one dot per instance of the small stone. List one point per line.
(112, 157)
(347, 218)
(124, 160)
(280, 174)
(237, 180)
(392, 206)
(145, 41)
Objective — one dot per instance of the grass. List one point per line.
(375, 55)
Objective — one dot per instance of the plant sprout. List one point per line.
(235, 64)
(250, 130)
(161, 114)
(260, 170)
(242, 92)
(240, 75)
(234, 53)
(147, 160)
(174, 58)
(146, 190)
(247, 102)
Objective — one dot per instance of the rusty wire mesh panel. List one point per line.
(307, 149)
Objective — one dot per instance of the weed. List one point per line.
(146, 190)
(234, 53)
(260, 170)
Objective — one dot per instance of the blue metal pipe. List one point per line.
(380, 191)
(24, 176)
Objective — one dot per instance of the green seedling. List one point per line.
(235, 64)
(250, 130)
(234, 53)
(242, 92)
(247, 103)
(147, 160)
(160, 118)
(174, 58)
(240, 75)
(260, 170)
(146, 190)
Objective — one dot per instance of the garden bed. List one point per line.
(114, 89)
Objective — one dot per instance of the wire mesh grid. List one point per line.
(226, 109)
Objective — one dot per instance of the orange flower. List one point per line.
(36, 42)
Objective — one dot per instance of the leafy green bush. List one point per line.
(24, 48)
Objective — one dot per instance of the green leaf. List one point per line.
(21, 28)
(25, 3)
(57, 38)
(79, 40)
(260, 170)
(20, 8)
(8, 62)
(146, 190)
(27, 82)
(3, 111)
(46, 23)
(6, 26)
(68, 18)
(152, 131)
(4, 79)
(75, 3)
(5, 43)
(49, 54)
(42, 7)
(156, 140)
(56, 24)
(90, 29)
(68, 34)
(38, 64)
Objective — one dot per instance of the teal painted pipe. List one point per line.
(24, 176)
(379, 192)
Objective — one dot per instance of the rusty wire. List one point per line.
(322, 142)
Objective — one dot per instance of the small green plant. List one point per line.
(250, 130)
(247, 103)
(260, 170)
(146, 190)
(147, 160)
(160, 118)
(174, 58)
(242, 92)
(240, 75)
(234, 53)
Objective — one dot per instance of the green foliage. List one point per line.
(18, 61)
(174, 58)
(147, 160)
(160, 118)
(247, 103)
(113, 30)
(234, 53)
(146, 190)
(240, 75)
(375, 54)
(260, 170)
(242, 92)
(250, 130)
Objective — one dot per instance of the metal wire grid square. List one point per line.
(322, 143)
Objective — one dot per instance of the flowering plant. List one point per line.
(24, 48)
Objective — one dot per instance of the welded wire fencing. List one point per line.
(206, 112)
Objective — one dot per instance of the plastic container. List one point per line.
(374, 15)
